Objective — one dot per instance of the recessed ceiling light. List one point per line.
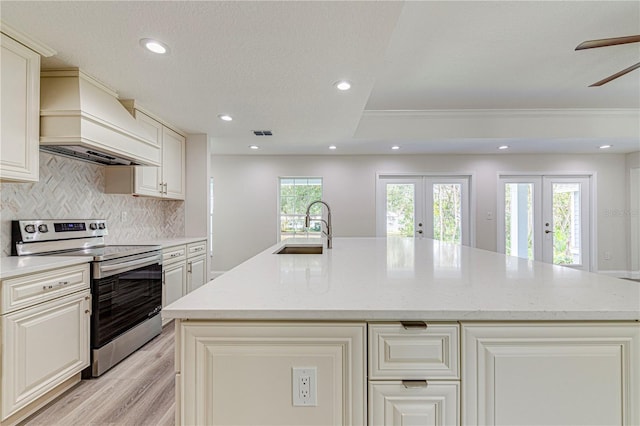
(343, 85)
(395, 147)
(332, 147)
(605, 146)
(503, 147)
(225, 117)
(154, 46)
(254, 147)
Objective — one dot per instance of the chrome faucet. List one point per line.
(307, 221)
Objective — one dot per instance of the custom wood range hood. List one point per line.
(82, 118)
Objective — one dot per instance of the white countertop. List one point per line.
(21, 265)
(377, 279)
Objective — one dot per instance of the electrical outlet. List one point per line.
(124, 216)
(304, 387)
(607, 255)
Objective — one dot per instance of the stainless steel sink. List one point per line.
(300, 250)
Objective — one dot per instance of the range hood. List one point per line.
(82, 118)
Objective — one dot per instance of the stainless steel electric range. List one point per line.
(126, 283)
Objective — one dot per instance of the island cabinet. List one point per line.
(414, 374)
(426, 373)
(243, 373)
(167, 181)
(20, 128)
(45, 337)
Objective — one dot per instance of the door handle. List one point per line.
(419, 231)
(546, 231)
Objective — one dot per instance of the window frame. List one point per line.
(279, 214)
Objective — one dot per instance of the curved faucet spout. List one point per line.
(307, 221)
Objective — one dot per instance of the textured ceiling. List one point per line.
(429, 76)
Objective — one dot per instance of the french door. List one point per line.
(424, 206)
(546, 218)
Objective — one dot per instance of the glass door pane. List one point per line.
(400, 209)
(518, 220)
(447, 212)
(567, 223)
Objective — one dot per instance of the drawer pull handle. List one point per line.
(414, 384)
(412, 325)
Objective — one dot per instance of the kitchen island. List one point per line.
(398, 330)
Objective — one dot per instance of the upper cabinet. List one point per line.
(166, 181)
(20, 110)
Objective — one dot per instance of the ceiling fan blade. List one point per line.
(616, 75)
(604, 42)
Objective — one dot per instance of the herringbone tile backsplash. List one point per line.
(73, 189)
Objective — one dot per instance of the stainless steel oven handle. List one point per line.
(107, 268)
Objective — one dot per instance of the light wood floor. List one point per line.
(138, 391)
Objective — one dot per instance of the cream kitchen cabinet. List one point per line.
(167, 181)
(20, 123)
(551, 373)
(249, 372)
(174, 275)
(196, 265)
(45, 337)
(400, 403)
(414, 373)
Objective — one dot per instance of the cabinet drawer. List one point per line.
(396, 403)
(174, 254)
(32, 289)
(399, 352)
(195, 249)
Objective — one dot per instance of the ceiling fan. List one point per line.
(604, 42)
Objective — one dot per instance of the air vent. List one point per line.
(262, 133)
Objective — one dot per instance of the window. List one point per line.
(295, 195)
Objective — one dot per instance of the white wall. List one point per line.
(633, 212)
(246, 187)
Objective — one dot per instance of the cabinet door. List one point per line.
(148, 179)
(175, 277)
(42, 346)
(196, 269)
(555, 374)
(20, 122)
(242, 373)
(400, 404)
(173, 161)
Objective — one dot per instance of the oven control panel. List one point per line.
(54, 229)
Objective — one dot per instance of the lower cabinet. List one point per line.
(467, 373)
(401, 403)
(414, 374)
(42, 346)
(184, 268)
(196, 273)
(551, 374)
(242, 373)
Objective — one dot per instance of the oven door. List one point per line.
(124, 298)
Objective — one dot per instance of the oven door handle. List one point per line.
(147, 260)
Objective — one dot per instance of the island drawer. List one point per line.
(196, 249)
(414, 350)
(174, 254)
(28, 290)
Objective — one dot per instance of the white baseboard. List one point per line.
(216, 274)
(621, 274)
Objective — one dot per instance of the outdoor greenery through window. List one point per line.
(295, 195)
(447, 212)
(400, 209)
